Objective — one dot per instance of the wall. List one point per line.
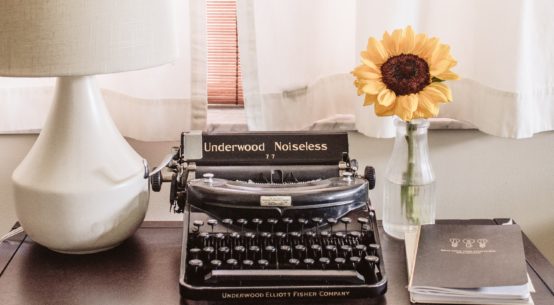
(478, 176)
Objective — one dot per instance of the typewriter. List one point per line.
(272, 216)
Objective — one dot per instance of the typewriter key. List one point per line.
(339, 261)
(196, 264)
(239, 250)
(339, 234)
(302, 222)
(331, 250)
(287, 251)
(272, 222)
(224, 251)
(242, 222)
(215, 263)
(287, 221)
(254, 252)
(270, 251)
(208, 252)
(325, 234)
(346, 249)
(250, 236)
(309, 262)
(316, 250)
(220, 237)
(371, 260)
(248, 263)
(324, 261)
(310, 234)
(374, 248)
(194, 252)
(204, 236)
(198, 224)
(362, 250)
(355, 234)
(294, 262)
(355, 260)
(212, 223)
(332, 222)
(263, 263)
(281, 236)
(300, 250)
(265, 235)
(317, 221)
(235, 236)
(232, 262)
(346, 221)
(227, 222)
(257, 222)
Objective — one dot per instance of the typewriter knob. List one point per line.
(156, 181)
(369, 174)
(208, 177)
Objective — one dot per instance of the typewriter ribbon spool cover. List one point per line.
(274, 216)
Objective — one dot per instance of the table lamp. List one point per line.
(82, 188)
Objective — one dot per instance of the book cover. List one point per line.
(469, 256)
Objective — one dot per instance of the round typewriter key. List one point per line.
(272, 222)
(240, 251)
(316, 249)
(208, 177)
(235, 236)
(248, 263)
(196, 264)
(270, 251)
(254, 252)
(300, 250)
(265, 235)
(249, 236)
(223, 251)
(204, 236)
(219, 236)
(324, 261)
(227, 222)
(371, 259)
(355, 260)
(346, 221)
(346, 249)
(362, 249)
(309, 262)
(242, 222)
(215, 263)
(194, 252)
(280, 235)
(208, 251)
(287, 221)
(257, 222)
(287, 250)
(339, 261)
(294, 262)
(374, 248)
(198, 224)
(362, 220)
(331, 221)
(263, 263)
(232, 262)
(355, 234)
(295, 234)
(212, 223)
(302, 222)
(339, 234)
(317, 221)
(310, 234)
(331, 250)
(325, 234)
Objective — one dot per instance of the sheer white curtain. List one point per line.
(297, 55)
(151, 105)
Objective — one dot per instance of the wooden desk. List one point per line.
(145, 268)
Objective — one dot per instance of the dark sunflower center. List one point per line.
(406, 74)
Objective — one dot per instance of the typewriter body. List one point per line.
(273, 215)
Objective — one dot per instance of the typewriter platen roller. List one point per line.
(273, 215)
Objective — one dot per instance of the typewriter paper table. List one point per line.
(145, 270)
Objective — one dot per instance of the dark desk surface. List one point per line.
(145, 268)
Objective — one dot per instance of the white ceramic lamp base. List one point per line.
(81, 188)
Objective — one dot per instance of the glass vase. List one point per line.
(409, 197)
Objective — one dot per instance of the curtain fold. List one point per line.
(297, 55)
(155, 104)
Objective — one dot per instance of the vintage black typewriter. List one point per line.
(273, 215)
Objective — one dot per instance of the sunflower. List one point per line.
(403, 74)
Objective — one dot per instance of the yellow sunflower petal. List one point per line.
(428, 48)
(405, 106)
(420, 41)
(438, 93)
(381, 110)
(388, 43)
(386, 97)
(364, 56)
(448, 75)
(364, 71)
(439, 67)
(373, 87)
(440, 53)
(407, 43)
(376, 52)
(426, 108)
(370, 99)
(396, 37)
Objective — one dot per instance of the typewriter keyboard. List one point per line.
(281, 252)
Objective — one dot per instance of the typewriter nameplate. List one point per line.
(275, 201)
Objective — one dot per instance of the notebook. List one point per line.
(467, 264)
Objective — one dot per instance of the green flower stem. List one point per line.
(408, 190)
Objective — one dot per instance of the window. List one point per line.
(224, 75)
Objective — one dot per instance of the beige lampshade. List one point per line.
(85, 37)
